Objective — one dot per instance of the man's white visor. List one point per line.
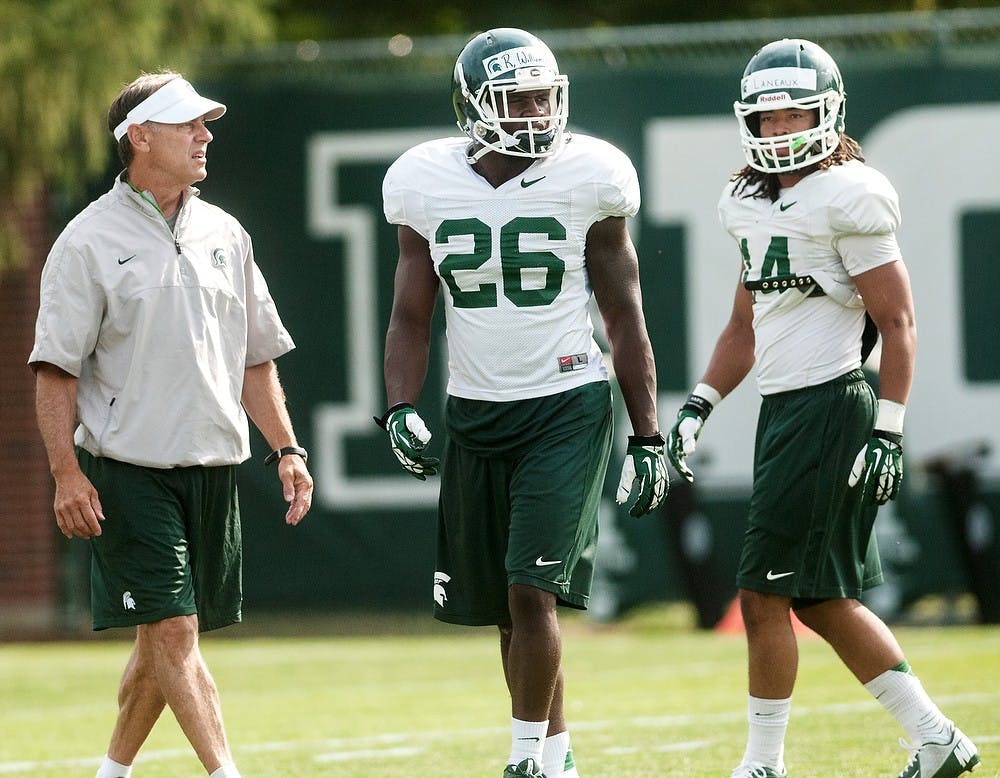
(175, 102)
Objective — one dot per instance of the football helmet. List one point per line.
(790, 73)
(492, 66)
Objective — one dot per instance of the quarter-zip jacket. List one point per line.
(158, 326)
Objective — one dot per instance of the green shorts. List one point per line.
(170, 544)
(808, 535)
(521, 484)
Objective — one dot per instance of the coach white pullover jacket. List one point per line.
(158, 327)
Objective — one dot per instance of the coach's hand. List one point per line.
(645, 470)
(408, 436)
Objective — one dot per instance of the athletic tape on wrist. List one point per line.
(890, 416)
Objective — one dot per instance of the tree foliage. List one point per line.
(61, 64)
(63, 61)
(323, 20)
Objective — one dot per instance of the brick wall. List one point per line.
(29, 540)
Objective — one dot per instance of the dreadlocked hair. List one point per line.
(755, 183)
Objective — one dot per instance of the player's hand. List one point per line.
(683, 437)
(408, 436)
(645, 473)
(878, 467)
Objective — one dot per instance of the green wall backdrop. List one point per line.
(299, 158)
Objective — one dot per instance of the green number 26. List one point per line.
(512, 261)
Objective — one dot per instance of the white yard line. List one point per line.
(394, 745)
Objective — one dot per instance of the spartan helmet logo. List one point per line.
(440, 579)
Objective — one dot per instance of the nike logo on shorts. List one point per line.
(773, 576)
(541, 562)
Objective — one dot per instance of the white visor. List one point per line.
(175, 102)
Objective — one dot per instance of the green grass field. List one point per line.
(648, 696)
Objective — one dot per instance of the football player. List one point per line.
(517, 224)
(821, 278)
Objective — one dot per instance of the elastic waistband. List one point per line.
(853, 377)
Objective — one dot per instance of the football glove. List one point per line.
(683, 437)
(408, 436)
(645, 469)
(878, 467)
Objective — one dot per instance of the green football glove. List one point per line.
(683, 437)
(408, 436)
(878, 467)
(646, 470)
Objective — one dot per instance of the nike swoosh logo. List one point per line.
(123, 261)
(526, 184)
(535, 739)
(540, 562)
(773, 576)
(877, 460)
(785, 206)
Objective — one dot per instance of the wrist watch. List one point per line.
(274, 456)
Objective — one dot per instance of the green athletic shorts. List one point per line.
(170, 544)
(521, 484)
(808, 535)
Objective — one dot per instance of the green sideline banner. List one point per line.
(300, 161)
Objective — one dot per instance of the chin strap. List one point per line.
(508, 141)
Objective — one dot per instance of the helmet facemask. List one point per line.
(803, 148)
(482, 108)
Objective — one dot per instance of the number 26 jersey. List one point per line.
(511, 260)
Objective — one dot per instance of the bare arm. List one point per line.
(889, 301)
(733, 355)
(614, 275)
(77, 506)
(264, 401)
(407, 340)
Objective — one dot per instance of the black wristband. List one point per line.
(892, 437)
(656, 439)
(389, 411)
(274, 456)
(698, 404)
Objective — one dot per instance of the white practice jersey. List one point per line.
(832, 225)
(511, 260)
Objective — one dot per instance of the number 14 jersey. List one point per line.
(832, 225)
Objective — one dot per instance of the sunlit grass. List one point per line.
(648, 696)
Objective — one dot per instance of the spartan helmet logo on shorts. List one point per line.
(127, 602)
(440, 579)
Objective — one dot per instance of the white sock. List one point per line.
(226, 771)
(768, 721)
(554, 755)
(527, 739)
(902, 694)
(111, 769)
